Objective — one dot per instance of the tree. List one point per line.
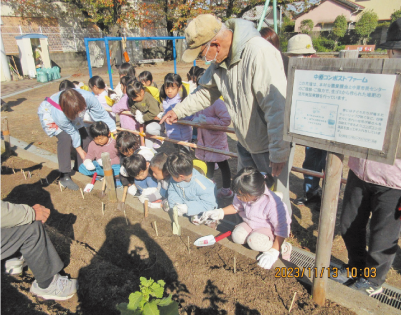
(395, 16)
(339, 29)
(306, 26)
(366, 25)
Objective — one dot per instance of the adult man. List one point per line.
(373, 191)
(300, 46)
(22, 233)
(248, 72)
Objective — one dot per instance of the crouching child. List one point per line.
(189, 191)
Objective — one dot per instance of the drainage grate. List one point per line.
(390, 295)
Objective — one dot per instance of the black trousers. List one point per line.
(32, 241)
(225, 172)
(360, 200)
(64, 146)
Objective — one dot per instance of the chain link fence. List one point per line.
(69, 39)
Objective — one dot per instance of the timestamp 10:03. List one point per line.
(332, 272)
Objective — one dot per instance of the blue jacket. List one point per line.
(198, 194)
(176, 131)
(95, 110)
(146, 183)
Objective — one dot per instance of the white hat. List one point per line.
(300, 44)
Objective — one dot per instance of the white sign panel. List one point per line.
(345, 107)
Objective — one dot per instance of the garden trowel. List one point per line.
(121, 204)
(89, 187)
(209, 240)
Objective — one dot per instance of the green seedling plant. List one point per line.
(149, 300)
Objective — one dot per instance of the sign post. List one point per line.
(347, 107)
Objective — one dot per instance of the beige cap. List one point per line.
(198, 32)
(300, 44)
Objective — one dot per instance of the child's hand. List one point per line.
(202, 119)
(267, 259)
(89, 165)
(132, 190)
(100, 162)
(139, 117)
(182, 209)
(149, 194)
(215, 215)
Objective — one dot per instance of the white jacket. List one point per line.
(253, 84)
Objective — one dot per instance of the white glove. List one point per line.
(182, 209)
(123, 171)
(160, 115)
(132, 190)
(202, 119)
(89, 165)
(215, 215)
(100, 162)
(267, 259)
(139, 117)
(147, 193)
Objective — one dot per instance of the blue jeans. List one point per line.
(99, 170)
(315, 160)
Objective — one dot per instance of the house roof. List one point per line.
(349, 4)
(255, 13)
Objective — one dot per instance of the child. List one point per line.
(218, 115)
(102, 142)
(266, 218)
(189, 191)
(170, 94)
(158, 167)
(146, 110)
(192, 78)
(125, 69)
(105, 96)
(147, 79)
(137, 167)
(127, 122)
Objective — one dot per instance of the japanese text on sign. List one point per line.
(345, 107)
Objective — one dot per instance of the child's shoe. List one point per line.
(225, 193)
(14, 266)
(286, 250)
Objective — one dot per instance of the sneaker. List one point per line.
(67, 182)
(365, 286)
(343, 275)
(15, 266)
(61, 288)
(286, 249)
(225, 193)
(315, 196)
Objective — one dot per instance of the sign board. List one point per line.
(346, 106)
(364, 48)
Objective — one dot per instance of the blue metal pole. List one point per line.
(88, 57)
(106, 42)
(194, 62)
(174, 57)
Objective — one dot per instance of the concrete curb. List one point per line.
(340, 294)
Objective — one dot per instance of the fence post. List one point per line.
(174, 57)
(6, 136)
(109, 177)
(106, 43)
(88, 57)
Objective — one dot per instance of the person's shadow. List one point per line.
(114, 272)
(34, 193)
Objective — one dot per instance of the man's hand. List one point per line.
(277, 168)
(41, 213)
(169, 118)
(81, 153)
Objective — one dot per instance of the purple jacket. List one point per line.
(376, 172)
(218, 115)
(176, 131)
(127, 122)
(266, 212)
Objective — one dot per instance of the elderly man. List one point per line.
(24, 236)
(248, 72)
(373, 191)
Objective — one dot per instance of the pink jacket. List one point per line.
(377, 173)
(127, 122)
(266, 212)
(216, 114)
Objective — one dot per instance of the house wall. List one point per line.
(324, 13)
(383, 8)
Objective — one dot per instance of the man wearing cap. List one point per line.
(300, 46)
(373, 191)
(248, 72)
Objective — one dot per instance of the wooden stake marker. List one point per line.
(30, 175)
(292, 303)
(23, 173)
(155, 226)
(189, 250)
(13, 171)
(82, 193)
(146, 205)
(103, 208)
(61, 187)
(108, 177)
(235, 264)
